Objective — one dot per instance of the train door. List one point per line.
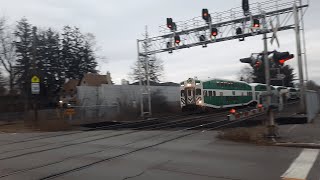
(257, 97)
(190, 96)
(221, 99)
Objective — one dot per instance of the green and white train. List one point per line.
(220, 93)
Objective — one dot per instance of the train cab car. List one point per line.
(191, 96)
(293, 93)
(259, 92)
(214, 93)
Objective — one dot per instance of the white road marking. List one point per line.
(291, 128)
(302, 165)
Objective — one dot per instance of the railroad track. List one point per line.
(106, 135)
(170, 136)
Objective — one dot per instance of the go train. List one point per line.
(219, 93)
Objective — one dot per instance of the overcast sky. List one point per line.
(118, 23)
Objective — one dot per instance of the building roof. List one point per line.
(91, 79)
(71, 84)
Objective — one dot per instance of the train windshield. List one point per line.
(198, 91)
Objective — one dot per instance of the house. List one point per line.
(68, 94)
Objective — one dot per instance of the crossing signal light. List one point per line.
(205, 15)
(171, 25)
(177, 39)
(214, 32)
(257, 64)
(281, 57)
(254, 62)
(239, 32)
(256, 23)
(245, 7)
(202, 38)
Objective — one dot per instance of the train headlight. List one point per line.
(188, 84)
(200, 102)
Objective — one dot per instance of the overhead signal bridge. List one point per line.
(224, 26)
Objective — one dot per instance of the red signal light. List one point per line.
(214, 31)
(177, 39)
(258, 63)
(282, 61)
(256, 23)
(232, 111)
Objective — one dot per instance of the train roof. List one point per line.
(221, 79)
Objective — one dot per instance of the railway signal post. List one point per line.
(271, 123)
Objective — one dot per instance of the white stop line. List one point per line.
(302, 165)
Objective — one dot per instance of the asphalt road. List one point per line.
(200, 156)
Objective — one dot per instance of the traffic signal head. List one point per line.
(256, 23)
(205, 15)
(239, 32)
(177, 39)
(257, 64)
(214, 32)
(254, 62)
(246, 60)
(245, 7)
(169, 23)
(281, 57)
(202, 38)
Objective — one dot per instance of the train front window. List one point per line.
(198, 92)
(189, 92)
(182, 93)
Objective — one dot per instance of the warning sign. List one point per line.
(35, 79)
(69, 111)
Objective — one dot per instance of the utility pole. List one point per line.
(304, 43)
(271, 124)
(140, 81)
(300, 65)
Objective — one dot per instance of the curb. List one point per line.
(299, 145)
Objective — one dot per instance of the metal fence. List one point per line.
(90, 114)
(312, 104)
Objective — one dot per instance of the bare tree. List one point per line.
(8, 53)
(246, 74)
(155, 64)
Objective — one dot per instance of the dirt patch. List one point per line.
(28, 126)
(255, 135)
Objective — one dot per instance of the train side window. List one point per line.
(204, 93)
(210, 93)
(213, 93)
(198, 92)
(221, 93)
(233, 93)
(242, 94)
(182, 93)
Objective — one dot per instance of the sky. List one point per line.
(118, 23)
